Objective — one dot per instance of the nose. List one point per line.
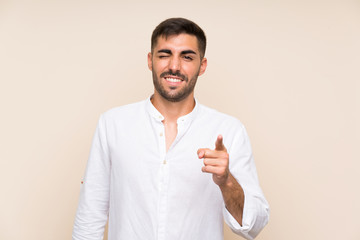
(174, 64)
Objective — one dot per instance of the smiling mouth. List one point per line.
(173, 77)
(173, 80)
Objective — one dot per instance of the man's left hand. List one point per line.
(216, 161)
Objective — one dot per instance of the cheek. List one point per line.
(191, 70)
(160, 67)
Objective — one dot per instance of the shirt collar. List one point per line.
(153, 112)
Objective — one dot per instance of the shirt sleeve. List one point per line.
(92, 212)
(242, 167)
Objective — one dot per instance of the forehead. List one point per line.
(177, 42)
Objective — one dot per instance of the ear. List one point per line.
(149, 58)
(203, 66)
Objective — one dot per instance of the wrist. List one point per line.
(228, 182)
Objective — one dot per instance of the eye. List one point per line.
(163, 56)
(188, 58)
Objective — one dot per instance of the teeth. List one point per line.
(173, 80)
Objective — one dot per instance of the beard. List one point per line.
(175, 96)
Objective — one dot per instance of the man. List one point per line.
(169, 167)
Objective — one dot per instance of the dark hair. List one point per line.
(176, 26)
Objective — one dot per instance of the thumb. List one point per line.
(219, 145)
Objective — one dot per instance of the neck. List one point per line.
(173, 110)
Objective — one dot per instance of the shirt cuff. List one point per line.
(251, 225)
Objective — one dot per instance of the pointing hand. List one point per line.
(216, 161)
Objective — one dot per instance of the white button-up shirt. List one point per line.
(148, 193)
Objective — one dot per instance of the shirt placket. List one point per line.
(162, 181)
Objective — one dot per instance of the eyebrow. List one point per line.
(164, 51)
(188, 52)
(183, 52)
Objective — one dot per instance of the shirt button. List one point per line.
(161, 134)
(164, 162)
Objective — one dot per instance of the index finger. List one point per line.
(219, 145)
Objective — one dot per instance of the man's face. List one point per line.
(176, 64)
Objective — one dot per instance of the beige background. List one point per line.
(289, 70)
